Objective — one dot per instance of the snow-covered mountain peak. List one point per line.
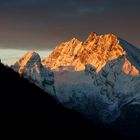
(102, 95)
(98, 77)
(64, 54)
(31, 68)
(97, 50)
(27, 61)
(29, 56)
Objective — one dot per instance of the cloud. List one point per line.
(43, 24)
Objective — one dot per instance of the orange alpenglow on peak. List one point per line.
(27, 60)
(73, 41)
(91, 37)
(97, 50)
(128, 68)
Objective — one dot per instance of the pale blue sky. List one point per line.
(10, 56)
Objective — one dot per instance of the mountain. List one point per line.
(99, 96)
(97, 50)
(98, 78)
(30, 66)
(102, 70)
(19, 95)
(64, 55)
(20, 98)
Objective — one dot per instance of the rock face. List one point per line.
(97, 50)
(115, 88)
(64, 55)
(31, 68)
(100, 96)
(98, 77)
(101, 77)
(27, 62)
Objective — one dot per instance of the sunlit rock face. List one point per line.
(101, 49)
(114, 87)
(97, 50)
(100, 96)
(128, 68)
(31, 68)
(29, 60)
(98, 77)
(66, 54)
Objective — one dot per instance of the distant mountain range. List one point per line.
(98, 78)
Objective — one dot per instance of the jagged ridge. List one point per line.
(97, 50)
(107, 59)
(31, 68)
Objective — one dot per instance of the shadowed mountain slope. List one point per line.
(17, 95)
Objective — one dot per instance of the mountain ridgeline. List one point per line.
(18, 95)
(98, 78)
(97, 50)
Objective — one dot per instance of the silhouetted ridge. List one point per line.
(19, 95)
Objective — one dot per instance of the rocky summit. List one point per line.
(31, 68)
(98, 77)
(97, 50)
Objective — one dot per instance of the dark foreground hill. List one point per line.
(39, 110)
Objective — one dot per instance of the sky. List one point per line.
(10, 56)
(43, 24)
